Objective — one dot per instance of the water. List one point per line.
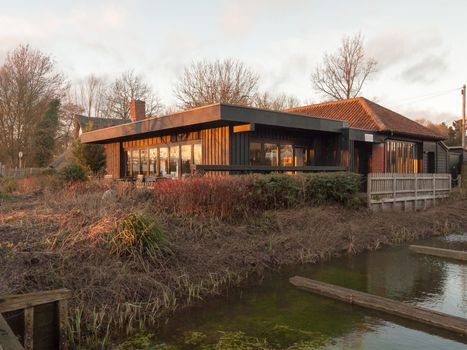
(275, 315)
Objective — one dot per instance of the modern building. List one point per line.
(357, 135)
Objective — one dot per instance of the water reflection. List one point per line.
(279, 316)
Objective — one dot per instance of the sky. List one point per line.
(419, 45)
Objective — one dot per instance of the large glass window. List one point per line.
(270, 154)
(164, 161)
(128, 163)
(174, 160)
(186, 159)
(300, 156)
(287, 155)
(255, 153)
(152, 161)
(197, 153)
(143, 161)
(401, 157)
(135, 162)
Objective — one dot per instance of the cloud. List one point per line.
(430, 115)
(392, 48)
(426, 70)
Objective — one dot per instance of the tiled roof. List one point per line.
(361, 113)
(99, 123)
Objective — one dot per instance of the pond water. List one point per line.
(276, 315)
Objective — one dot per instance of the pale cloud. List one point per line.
(434, 116)
(426, 70)
(395, 47)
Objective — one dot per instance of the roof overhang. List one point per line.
(211, 116)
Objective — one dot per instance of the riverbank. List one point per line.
(55, 238)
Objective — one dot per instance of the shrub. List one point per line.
(8, 184)
(236, 196)
(73, 173)
(341, 187)
(275, 191)
(139, 233)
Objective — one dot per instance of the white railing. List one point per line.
(406, 191)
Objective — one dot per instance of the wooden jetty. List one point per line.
(415, 313)
(34, 320)
(441, 252)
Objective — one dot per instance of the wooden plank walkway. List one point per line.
(415, 313)
(441, 252)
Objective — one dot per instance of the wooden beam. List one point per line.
(208, 167)
(8, 340)
(29, 328)
(397, 308)
(244, 128)
(63, 323)
(23, 301)
(443, 253)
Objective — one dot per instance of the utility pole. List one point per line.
(463, 117)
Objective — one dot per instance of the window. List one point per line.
(186, 159)
(135, 162)
(144, 161)
(152, 161)
(174, 160)
(197, 153)
(401, 157)
(300, 156)
(255, 153)
(287, 158)
(128, 163)
(270, 154)
(164, 161)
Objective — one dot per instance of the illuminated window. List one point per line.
(174, 160)
(197, 153)
(152, 161)
(270, 154)
(186, 159)
(164, 160)
(287, 158)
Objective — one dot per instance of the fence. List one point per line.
(20, 172)
(34, 321)
(406, 191)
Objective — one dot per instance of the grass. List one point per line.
(134, 261)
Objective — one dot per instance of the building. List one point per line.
(355, 134)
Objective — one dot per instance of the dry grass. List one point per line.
(60, 238)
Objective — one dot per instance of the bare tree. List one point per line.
(227, 81)
(280, 102)
(66, 130)
(28, 82)
(91, 96)
(343, 74)
(127, 87)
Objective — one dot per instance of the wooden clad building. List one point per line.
(229, 139)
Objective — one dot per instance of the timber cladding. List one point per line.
(113, 156)
(216, 146)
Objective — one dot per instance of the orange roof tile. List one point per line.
(361, 113)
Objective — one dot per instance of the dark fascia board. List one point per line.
(207, 115)
(201, 115)
(242, 114)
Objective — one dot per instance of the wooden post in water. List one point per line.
(441, 252)
(414, 313)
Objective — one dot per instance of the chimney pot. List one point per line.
(137, 110)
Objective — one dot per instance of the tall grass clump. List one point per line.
(139, 233)
(8, 184)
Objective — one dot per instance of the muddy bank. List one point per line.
(57, 238)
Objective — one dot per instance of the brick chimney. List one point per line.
(137, 110)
